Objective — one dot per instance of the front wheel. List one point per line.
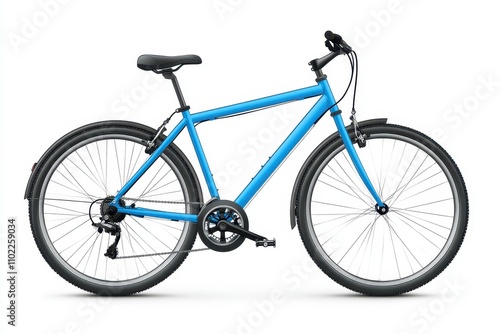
(392, 253)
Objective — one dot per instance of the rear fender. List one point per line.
(36, 167)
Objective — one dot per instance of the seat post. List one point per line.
(171, 76)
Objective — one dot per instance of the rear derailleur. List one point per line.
(113, 229)
(110, 217)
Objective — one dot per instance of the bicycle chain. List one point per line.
(158, 201)
(162, 253)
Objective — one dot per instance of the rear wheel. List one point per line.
(90, 166)
(395, 252)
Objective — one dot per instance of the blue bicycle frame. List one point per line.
(325, 102)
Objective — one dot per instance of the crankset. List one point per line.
(223, 226)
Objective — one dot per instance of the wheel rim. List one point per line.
(83, 174)
(405, 243)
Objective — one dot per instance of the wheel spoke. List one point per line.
(359, 236)
(392, 243)
(401, 240)
(345, 228)
(96, 167)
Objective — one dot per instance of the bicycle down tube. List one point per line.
(325, 102)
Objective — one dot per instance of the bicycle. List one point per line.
(382, 227)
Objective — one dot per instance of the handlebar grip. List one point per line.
(334, 38)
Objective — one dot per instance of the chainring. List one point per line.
(215, 212)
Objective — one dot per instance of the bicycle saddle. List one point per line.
(158, 63)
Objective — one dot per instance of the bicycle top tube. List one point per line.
(270, 101)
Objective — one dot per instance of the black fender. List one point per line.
(85, 128)
(327, 141)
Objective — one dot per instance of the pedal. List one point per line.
(265, 243)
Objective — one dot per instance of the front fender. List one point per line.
(327, 141)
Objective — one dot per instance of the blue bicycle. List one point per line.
(115, 206)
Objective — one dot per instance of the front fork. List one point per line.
(380, 207)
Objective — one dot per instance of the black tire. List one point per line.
(81, 168)
(345, 236)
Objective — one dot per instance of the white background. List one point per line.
(68, 63)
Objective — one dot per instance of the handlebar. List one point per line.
(336, 45)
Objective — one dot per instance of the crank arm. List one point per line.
(259, 240)
(224, 226)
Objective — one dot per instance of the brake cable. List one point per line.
(360, 137)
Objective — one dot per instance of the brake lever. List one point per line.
(345, 47)
(333, 47)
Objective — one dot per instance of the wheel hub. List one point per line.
(112, 217)
(382, 210)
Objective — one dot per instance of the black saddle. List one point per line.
(160, 63)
